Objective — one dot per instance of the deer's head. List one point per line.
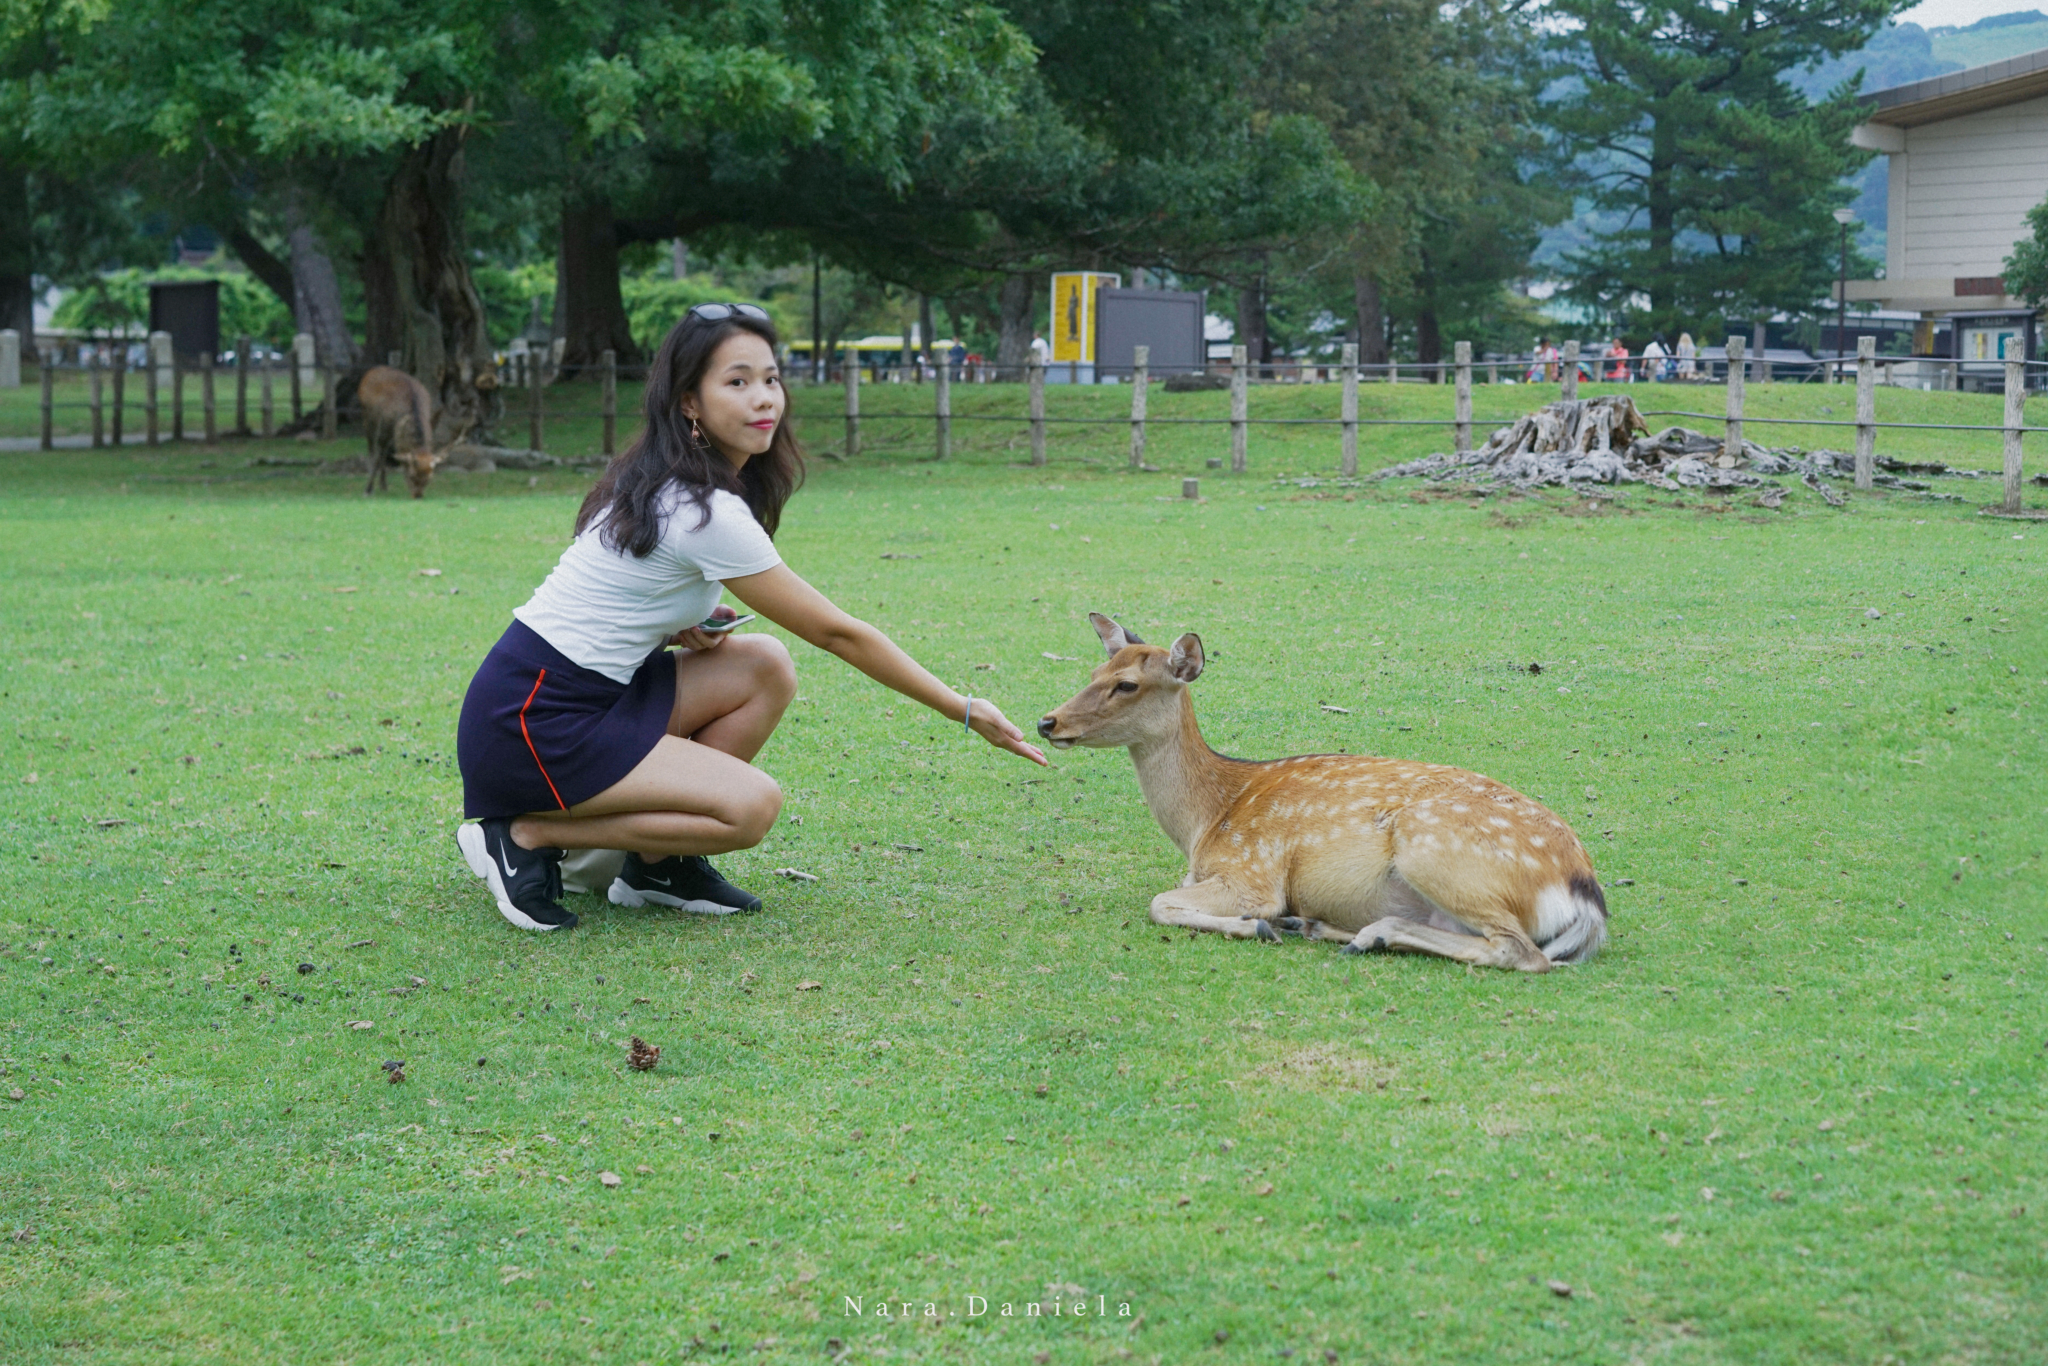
(419, 468)
(1132, 699)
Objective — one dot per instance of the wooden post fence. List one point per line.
(177, 397)
(851, 371)
(99, 411)
(265, 409)
(1141, 375)
(1731, 444)
(1240, 407)
(1866, 410)
(1493, 372)
(2015, 420)
(149, 397)
(241, 386)
(942, 406)
(1461, 354)
(207, 416)
(608, 399)
(1568, 371)
(533, 414)
(49, 369)
(330, 418)
(1034, 372)
(1349, 412)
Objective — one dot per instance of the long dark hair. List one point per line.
(632, 487)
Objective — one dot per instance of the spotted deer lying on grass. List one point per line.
(398, 421)
(1380, 853)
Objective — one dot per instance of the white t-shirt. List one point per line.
(607, 610)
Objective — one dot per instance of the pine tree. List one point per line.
(1718, 175)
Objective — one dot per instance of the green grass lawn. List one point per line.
(1793, 1113)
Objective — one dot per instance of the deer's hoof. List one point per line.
(1268, 933)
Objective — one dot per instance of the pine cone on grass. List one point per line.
(644, 1055)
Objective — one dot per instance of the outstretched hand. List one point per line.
(992, 726)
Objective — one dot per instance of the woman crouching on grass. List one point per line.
(582, 731)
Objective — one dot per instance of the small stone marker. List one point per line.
(1191, 489)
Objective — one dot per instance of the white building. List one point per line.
(1969, 157)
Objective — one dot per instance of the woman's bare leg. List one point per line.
(733, 697)
(695, 793)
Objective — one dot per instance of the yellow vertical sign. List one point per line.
(1073, 313)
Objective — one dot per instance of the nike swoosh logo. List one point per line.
(506, 864)
(659, 882)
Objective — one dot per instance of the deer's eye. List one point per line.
(1127, 686)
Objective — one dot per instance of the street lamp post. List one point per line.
(1845, 218)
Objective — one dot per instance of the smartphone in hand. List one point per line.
(718, 626)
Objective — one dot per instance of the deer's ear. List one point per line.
(1114, 637)
(1184, 661)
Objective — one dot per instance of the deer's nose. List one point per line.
(1046, 726)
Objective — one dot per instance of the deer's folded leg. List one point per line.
(1394, 934)
(1220, 907)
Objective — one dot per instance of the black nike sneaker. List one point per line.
(688, 884)
(526, 882)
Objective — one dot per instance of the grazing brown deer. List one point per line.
(1379, 853)
(398, 420)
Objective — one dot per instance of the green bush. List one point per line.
(119, 299)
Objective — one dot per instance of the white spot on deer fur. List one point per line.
(1528, 861)
(1460, 808)
(1536, 841)
(1500, 821)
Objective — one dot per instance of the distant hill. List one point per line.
(1993, 39)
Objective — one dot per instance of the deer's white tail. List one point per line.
(1571, 920)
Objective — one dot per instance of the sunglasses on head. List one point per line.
(712, 313)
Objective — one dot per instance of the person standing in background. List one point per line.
(1655, 360)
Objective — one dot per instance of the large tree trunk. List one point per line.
(1251, 322)
(317, 300)
(422, 302)
(1662, 202)
(1429, 342)
(593, 312)
(1372, 320)
(1013, 340)
(17, 255)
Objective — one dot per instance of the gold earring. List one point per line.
(696, 432)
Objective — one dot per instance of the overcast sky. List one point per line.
(1959, 12)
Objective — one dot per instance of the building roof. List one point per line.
(2024, 77)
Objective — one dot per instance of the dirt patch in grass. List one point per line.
(1324, 1067)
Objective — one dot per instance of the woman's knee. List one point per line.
(756, 811)
(774, 671)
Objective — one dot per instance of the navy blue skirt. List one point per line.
(540, 732)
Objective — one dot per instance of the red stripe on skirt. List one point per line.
(527, 736)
